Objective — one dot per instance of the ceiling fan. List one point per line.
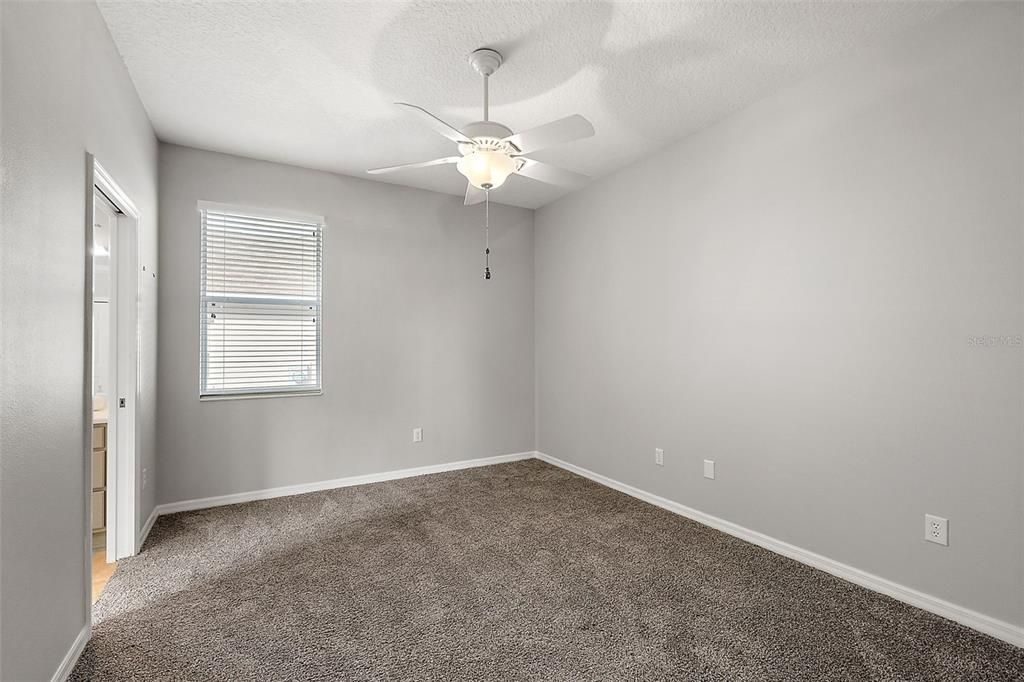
(490, 151)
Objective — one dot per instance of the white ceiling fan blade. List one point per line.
(446, 129)
(566, 129)
(553, 175)
(420, 164)
(474, 195)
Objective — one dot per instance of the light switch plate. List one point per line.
(709, 468)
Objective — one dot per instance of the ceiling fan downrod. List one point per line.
(485, 61)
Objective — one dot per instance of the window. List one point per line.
(259, 302)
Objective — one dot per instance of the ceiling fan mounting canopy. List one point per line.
(491, 152)
(485, 61)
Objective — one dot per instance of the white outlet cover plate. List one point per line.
(709, 468)
(936, 529)
(659, 457)
(417, 435)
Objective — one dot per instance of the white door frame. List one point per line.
(122, 427)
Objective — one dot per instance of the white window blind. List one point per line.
(260, 302)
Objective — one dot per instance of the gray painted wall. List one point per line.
(65, 91)
(413, 334)
(793, 292)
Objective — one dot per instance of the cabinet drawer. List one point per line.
(99, 510)
(99, 436)
(99, 469)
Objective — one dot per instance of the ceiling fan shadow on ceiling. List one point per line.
(491, 152)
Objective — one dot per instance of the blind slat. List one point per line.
(244, 235)
(260, 304)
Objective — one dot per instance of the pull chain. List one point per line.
(487, 234)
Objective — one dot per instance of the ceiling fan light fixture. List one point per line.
(486, 170)
(491, 151)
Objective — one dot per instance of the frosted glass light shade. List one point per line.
(486, 170)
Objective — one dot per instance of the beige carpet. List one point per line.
(512, 572)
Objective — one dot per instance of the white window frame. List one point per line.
(274, 392)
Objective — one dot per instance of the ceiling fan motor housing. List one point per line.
(487, 135)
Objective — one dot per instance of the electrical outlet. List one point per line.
(709, 468)
(145, 478)
(659, 457)
(417, 435)
(936, 529)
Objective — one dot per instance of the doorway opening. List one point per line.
(113, 375)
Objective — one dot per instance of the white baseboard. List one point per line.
(978, 621)
(284, 491)
(146, 527)
(71, 657)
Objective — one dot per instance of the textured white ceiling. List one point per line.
(311, 83)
